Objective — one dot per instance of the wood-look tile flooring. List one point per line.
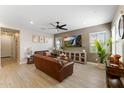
(14, 75)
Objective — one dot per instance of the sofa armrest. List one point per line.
(66, 71)
(67, 66)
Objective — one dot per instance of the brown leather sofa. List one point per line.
(52, 67)
(43, 52)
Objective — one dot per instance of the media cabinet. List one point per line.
(79, 57)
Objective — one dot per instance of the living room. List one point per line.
(63, 34)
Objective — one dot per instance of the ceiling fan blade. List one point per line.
(52, 24)
(64, 28)
(51, 28)
(46, 28)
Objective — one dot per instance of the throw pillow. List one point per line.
(48, 54)
(62, 62)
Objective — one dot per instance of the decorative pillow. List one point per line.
(48, 54)
(62, 62)
(114, 59)
(62, 55)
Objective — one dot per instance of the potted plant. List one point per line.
(62, 48)
(103, 50)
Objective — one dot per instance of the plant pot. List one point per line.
(101, 65)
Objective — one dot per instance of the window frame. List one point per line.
(101, 35)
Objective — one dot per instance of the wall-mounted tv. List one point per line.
(73, 41)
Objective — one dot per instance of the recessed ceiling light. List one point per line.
(31, 22)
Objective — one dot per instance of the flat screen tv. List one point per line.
(73, 41)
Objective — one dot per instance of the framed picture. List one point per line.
(35, 38)
(42, 39)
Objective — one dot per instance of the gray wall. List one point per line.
(85, 38)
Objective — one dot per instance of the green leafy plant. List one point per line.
(103, 49)
(62, 47)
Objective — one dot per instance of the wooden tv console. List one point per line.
(79, 57)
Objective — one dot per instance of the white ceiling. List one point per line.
(74, 16)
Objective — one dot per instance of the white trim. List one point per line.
(22, 63)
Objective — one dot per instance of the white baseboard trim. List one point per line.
(22, 62)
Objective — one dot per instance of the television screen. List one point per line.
(73, 41)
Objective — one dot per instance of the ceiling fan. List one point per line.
(58, 26)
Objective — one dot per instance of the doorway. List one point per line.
(9, 46)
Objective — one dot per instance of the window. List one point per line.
(96, 35)
(58, 42)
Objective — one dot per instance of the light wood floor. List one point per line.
(27, 76)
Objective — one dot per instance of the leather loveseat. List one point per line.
(52, 67)
(43, 52)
